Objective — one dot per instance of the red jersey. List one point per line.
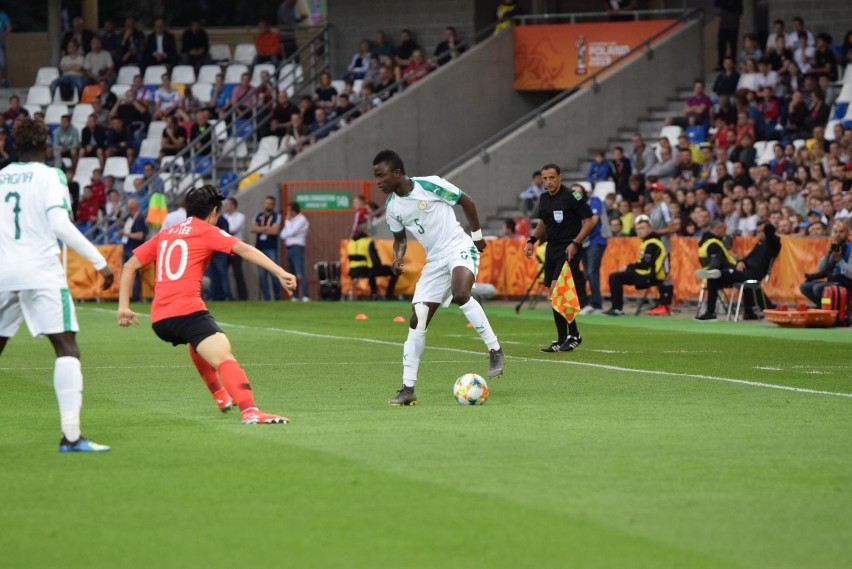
(182, 253)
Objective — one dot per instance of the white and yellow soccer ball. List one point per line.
(471, 389)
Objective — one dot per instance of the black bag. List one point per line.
(66, 91)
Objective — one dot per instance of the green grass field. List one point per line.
(659, 443)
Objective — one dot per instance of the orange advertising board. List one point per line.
(559, 56)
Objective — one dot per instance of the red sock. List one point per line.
(237, 383)
(206, 371)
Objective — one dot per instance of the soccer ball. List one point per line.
(470, 389)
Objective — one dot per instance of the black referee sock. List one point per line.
(561, 327)
(573, 330)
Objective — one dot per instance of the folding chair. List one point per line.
(754, 286)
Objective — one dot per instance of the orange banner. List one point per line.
(503, 265)
(559, 56)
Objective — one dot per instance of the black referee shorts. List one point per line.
(554, 259)
(188, 329)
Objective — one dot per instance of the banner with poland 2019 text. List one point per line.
(559, 56)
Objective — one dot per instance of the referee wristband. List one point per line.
(476, 235)
(575, 244)
(532, 239)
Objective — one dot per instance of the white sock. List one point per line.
(412, 349)
(476, 315)
(68, 384)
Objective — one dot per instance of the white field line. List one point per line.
(281, 364)
(542, 360)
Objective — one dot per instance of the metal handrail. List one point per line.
(592, 80)
(572, 18)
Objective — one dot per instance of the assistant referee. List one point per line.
(565, 221)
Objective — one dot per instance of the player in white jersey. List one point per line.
(34, 213)
(424, 207)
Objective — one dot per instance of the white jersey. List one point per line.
(29, 252)
(427, 212)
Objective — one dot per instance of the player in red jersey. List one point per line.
(179, 315)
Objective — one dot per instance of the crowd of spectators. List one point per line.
(755, 148)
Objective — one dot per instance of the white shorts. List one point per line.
(46, 310)
(435, 282)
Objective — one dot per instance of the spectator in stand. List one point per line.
(449, 48)
(5, 30)
(635, 190)
(382, 45)
(360, 62)
(242, 97)
(118, 141)
(201, 133)
(71, 65)
(307, 110)
(267, 43)
(616, 8)
(290, 16)
(167, 101)
(105, 97)
(15, 109)
(725, 84)
(195, 46)
(751, 52)
(161, 47)
(745, 152)
(780, 55)
(699, 106)
(81, 36)
(152, 181)
(325, 96)
(795, 38)
(642, 157)
(729, 28)
(804, 54)
(66, 142)
(818, 113)
(666, 167)
(266, 226)
(93, 139)
(402, 55)
(111, 40)
(687, 171)
(133, 235)
(344, 106)
(620, 171)
(417, 69)
(134, 116)
(132, 45)
(283, 113)
(322, 126)
(296, 136)
(220, 97)
(529, 197)
(386, 81)
(98, 64)
(98, 187)
(662, 218)
(173, 139)
(599, 169)
(144, 96)
(777, 32)
(371, 76)
(114, 209)
(766, 77)
(88, 208)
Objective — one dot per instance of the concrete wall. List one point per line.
(585, 120)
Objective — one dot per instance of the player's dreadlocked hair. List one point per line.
(30, 135)
(391, 158)
(201, 201)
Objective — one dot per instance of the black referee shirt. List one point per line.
(563, 215)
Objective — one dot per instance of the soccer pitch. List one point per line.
(659, 443)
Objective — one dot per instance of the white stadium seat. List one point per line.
(153, 74)
(54, 112)
(203, 92)
(127, 73)
(184, 74)
(234, 71)
(220, 52)
(208, 73)
(46, 75)
(255, 76)
(244, 53)
(117, 167)
(150, 148)
(39, 95)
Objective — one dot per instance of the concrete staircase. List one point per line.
(648, 125)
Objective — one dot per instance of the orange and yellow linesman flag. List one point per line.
(157, 211)
(564, 296)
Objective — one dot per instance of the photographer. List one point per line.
(835, 267)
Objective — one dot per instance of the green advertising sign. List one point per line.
(323, 200)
